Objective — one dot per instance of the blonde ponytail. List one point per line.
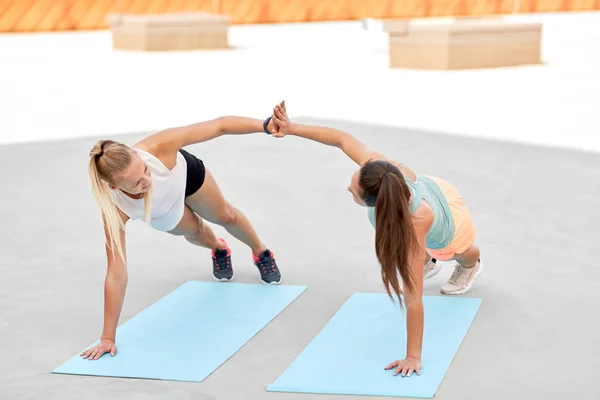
(113, 158)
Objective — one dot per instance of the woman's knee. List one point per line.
(226, 216)
(190, 229)
(470, 256)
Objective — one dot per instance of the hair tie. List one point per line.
(101, 153)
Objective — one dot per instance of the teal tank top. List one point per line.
(441, 232)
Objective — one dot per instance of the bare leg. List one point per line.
(467, 271)
(196, 231)
(469, 258)
(209, 202)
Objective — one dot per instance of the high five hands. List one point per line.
(281, 122)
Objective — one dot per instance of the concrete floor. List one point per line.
(535, 335)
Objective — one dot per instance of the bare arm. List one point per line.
(414, 298)
(115, 285)
(114, 294)
(170, 140)
(351, 146)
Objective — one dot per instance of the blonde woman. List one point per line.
(158, 182)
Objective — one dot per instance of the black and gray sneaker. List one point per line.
(269, 273)
(222, 270)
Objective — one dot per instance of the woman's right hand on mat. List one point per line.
(105, 346)
(281, 120)
(406, 367)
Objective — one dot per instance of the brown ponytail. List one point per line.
(383, 187)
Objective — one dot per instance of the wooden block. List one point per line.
(464, 44)
(396, 27)
(169, 32)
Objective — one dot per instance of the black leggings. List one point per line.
(195, 173)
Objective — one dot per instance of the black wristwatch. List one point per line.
(265, 125)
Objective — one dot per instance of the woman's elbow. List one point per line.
(117, 277)
(345, 141)
(415, 303)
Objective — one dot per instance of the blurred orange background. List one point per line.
(62, 15)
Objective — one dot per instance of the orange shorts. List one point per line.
(464, 230)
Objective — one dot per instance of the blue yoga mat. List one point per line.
(367, 333)
(189, 333)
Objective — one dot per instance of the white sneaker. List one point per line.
(462, 279)
(431, 269)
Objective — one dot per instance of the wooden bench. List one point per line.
(164, 32)
(463, 44)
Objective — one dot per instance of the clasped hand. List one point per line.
(280, 122)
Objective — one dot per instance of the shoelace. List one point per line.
(221, 260)
(457, 274)
(267, 264)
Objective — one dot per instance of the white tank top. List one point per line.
(168, 193)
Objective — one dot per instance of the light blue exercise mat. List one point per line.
(367, 333)
(190, 332)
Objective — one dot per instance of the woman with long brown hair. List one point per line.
(417, 219)
(160, 183)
